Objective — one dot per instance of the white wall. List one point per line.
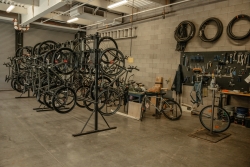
(154, 48)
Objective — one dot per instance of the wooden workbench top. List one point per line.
(237, 94)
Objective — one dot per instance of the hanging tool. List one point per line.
(239, 56)
(248, 61)
(242, 59)
(186, 79)
(231, 59)
(192, 82)
(226, 58)
(239, 78)
(228, 70)
(234, 71)
(235, 54)
(231, 84)
(245, 58)
(184, 59)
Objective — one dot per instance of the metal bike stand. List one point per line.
(26, 96)
(96, 111)
(212, 116)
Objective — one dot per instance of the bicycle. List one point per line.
(169, 108)
(214, 118)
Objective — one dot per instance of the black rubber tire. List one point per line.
(60, 100)
(80, 95)
(109, 102)
(230, 27)
(48, 43)
(105, 39)
(171, 110)
(64, 62)
(178, 37)
(218, 33)
(221, 120)
(112, 62)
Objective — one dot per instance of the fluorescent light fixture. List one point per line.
(117, 4)
(72, 20)
(10, 8)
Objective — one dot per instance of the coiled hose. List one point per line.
(181, 35)
(218, 33)
(230, 26)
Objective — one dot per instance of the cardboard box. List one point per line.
(159, 79)
(134, 109)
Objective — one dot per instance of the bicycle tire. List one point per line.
(231, 24)
(107, 40)
(171, 109)
(64, 63)
(112, 62)
(218, 34)
(80, 95)
(60, 100)
(221, 120)
(47, 99)
(109, 102)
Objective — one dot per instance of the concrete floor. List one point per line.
(44, 139)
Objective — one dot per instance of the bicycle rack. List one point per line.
(96, 129)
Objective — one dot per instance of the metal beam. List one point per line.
(17, 9)
(28, 2)
(104, 4)
(44, 8)
(161, 2)
(65, 18)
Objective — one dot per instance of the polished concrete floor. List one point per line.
(44, 139)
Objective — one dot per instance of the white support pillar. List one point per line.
(44, 8)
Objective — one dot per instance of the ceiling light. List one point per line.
(117, 4)
(72, 20)
(10, 8)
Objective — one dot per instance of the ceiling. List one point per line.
(88, 12)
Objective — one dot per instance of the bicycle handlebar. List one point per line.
(133, 68)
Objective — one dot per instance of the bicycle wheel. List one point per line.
(80, 95)
(64, 100)
(221, 121)
(171, 109)
(47, 99)
(109, 102)
(65, 60)
(112, 62)
(107, 42)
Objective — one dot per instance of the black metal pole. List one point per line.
(96, 41)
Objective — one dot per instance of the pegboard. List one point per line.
(228, 66)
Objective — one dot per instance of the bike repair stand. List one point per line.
(210, 136)
(96, 53)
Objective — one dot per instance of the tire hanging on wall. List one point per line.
(218, 33)
(230, 27)
(181, 34)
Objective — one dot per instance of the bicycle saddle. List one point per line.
(154, 93)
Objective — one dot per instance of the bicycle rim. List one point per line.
(221, 121)
(171, 109)
(64, 100)
(109, 102)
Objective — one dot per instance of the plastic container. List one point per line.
(247, 122)
(242, 110)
